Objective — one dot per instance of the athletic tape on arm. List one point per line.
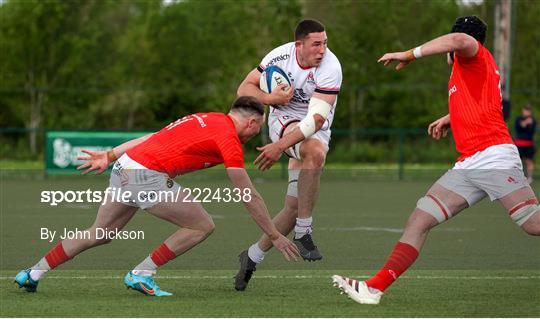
(316, 106)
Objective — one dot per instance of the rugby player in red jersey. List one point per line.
(146, 166)
(488, 165)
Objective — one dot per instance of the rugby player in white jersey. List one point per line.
(299, 124)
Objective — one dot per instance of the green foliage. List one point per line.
(141, 64)
(525, 75)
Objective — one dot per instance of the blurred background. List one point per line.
(135, 66)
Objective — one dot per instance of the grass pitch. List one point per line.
(477, 265)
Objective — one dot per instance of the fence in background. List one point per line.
(394, 153)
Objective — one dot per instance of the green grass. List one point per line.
(21, 164)
(276, 294)
(477, 265)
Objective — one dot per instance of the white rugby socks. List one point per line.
(303, 226)
(255, 253)
(39, 269)
(146, 268)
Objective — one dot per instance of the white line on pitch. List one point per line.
(390, 230)
(301, 277)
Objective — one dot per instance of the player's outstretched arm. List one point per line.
(257, 208)
(250, 87)
(460, 43)
(99, 161)
(320, 107)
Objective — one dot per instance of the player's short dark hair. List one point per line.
(471, 25)
(306, 27)
(248, 105)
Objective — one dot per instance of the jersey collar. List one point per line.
(298, 62)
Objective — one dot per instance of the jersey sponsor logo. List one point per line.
(300, 96)
(282, 57)
(187, 119)
(200, 119)
(452, 90)
(178, 122)
(311, 78)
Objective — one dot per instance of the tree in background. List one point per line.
(140, 64)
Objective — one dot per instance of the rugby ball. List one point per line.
(272, 77)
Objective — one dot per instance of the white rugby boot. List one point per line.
(356, 290)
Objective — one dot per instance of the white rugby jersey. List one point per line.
(326, 79)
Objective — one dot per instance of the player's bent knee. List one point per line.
(316, 157)
(93, 242)
(532, 231)
(420, 222)
(313, 152)
(208, 227)
(532, 225)
(434, 207)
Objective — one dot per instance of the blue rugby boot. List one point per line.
(144, 284)
(24, 280)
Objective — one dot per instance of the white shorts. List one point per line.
(277, 123)
(146, 187)
(495, 172)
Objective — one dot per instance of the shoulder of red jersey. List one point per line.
(481, 53)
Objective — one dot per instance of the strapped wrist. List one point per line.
(274, 236)
(417, 52)
(111, 156)
(410, 55)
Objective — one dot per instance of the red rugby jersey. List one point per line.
(475, 104)
(191, 143)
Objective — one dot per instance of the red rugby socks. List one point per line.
(56, 256)
(52, 259)
(401, 258)
(162, 255)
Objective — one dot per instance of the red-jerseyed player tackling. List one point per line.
(147, 165)
(488, 165)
